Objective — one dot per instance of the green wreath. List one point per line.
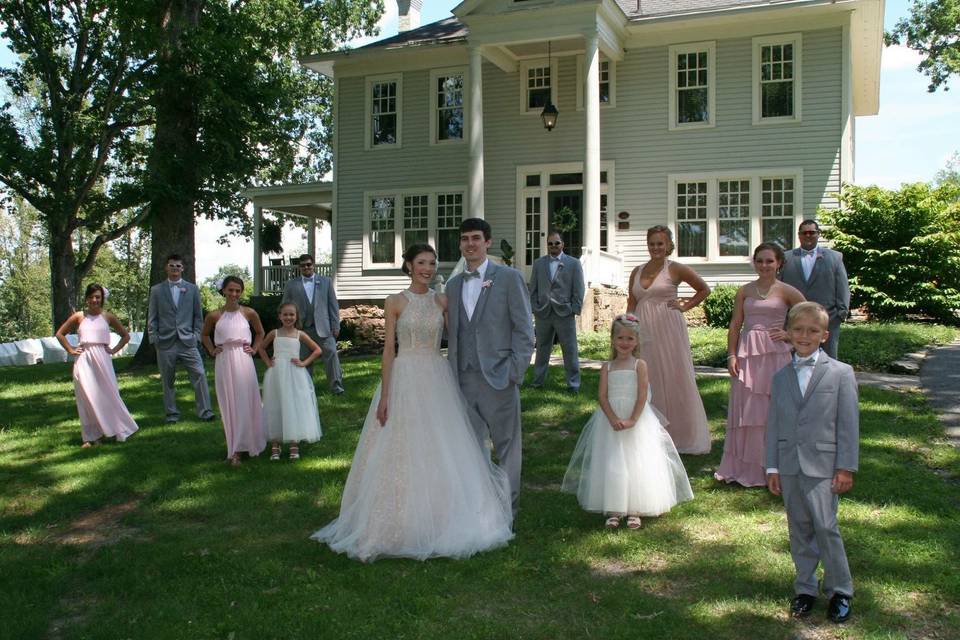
(565, 219)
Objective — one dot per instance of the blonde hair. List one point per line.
(631, 323)
(813, 309)
(665, 230)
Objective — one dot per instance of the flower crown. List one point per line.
(218, 285)
(106, 293)
(629, 317)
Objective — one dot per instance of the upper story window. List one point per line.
(776, 78)
(447, 105)
(720, 217)
(607, 82)
(383, 117)
(538, 85)
(692, 85)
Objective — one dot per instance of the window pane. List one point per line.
(533, 180)
(692, 106)
(565, 178)
(450, 124)
(776, 99)
(384, 129)
(734, 237)
(779, 231)
(692, 241)
(411, 238)
(538, 98)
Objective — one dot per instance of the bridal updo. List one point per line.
(413, 251)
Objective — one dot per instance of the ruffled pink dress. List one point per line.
(759, 357)
(238, 392)
(102, 412)
(665, 346)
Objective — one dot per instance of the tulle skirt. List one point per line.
(420, 486)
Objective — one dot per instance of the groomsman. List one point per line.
(319, 313)
(818, 273)
(556, 297)
(174, 320)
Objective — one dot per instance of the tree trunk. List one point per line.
(63, 276)
(174, 176)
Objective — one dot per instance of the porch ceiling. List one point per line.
(539, 49)
(307, 200)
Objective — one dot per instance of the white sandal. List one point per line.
(633, 522)
(612, 522)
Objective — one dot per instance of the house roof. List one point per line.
(639, 9)
(439, 32)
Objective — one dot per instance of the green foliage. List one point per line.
(24, 274)
(901, 249)
(506, 252)
(267, 307)
(933, 30)
(718, 307)
(123, 267)
(564, 220)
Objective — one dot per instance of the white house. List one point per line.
(728, 120)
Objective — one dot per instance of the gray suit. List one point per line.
(174, 330)
(321, 321)
(489, 354)
(556, 302)
(827, 285)
(809, 438)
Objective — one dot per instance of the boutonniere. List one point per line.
(486, 284)
(183, 289)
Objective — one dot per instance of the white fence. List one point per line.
(46, 350)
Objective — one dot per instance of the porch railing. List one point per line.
(274, 277)
(602, 268)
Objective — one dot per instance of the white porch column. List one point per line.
(312, 237)
(257, 255)
(475, 135)
(591, 158)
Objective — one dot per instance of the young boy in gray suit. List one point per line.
(812, 452)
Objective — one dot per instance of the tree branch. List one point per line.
(84, 267)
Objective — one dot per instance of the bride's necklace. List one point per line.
(762, 296)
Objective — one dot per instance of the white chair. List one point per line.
(53, 352)
(29, 351)
(8, 354)
(136, 337)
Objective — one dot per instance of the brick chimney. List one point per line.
(409, 14)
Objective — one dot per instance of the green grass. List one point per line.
(867, 346)
(158, 538)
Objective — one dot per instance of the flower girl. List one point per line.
(289, 399)
(625, 463)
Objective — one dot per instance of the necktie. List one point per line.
(470, 274)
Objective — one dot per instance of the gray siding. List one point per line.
(634, 135)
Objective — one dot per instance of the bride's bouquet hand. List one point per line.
(382, 412)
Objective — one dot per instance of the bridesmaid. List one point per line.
(758, 348)
(238, 392)
(102, 412)
(652, 295)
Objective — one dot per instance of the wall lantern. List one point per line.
(549, 114)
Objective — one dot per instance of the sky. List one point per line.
(912, 137)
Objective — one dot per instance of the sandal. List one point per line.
(294, 452)
(633, 522)
(612, 522)
(235, 460)
(275, 453)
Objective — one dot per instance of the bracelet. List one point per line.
(732, 355)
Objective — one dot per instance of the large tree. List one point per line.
(71, 129)
(932, 29)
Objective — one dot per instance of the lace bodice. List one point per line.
(420, 324)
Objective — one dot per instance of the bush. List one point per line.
(718, 307)
(901, 249)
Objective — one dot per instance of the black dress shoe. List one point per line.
(802, 605)
(839, 609)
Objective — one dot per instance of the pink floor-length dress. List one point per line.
(238, 392)
(102, 412)
(665, 346)
(759, 357)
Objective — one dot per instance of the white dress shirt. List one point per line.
(807, 260)
(175, 291)
(309, 284)
(555, 266)
(804, 373)
(470, 292)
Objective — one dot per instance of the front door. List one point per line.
(568, 202)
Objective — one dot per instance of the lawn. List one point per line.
(159, 538)
(867, 346)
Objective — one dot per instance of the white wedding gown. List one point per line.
(420, 486)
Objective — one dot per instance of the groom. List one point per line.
(490, 343)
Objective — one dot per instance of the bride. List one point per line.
(420, 485)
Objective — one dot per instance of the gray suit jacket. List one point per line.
(828, 282)
(325, 311)
(503, 325)
(563, 294)
(819, 433)
(167, 323)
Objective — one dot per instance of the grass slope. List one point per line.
(158, 538)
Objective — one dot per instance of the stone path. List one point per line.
(940, 381)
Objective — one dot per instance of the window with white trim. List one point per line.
(384, 99)
(447, 97)
(538, 85)
(394, 221)
(776, 78)
(692, 85)
(722, 216)
(607, 82)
